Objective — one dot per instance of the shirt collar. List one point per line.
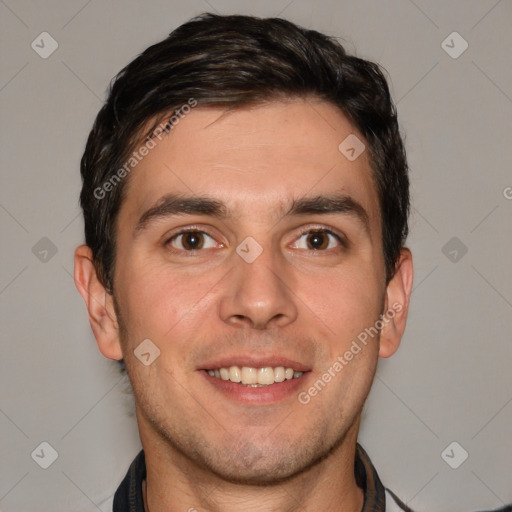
(368, 480)
(128, 497)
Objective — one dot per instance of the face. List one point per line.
(245, 241)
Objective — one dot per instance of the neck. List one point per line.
(174, 483)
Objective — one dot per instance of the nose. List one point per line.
(259, 294)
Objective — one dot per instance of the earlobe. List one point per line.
(398, 295)
(99, 304)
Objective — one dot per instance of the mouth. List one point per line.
(254, 380)
(255, 377)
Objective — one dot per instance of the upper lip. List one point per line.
(253, 361)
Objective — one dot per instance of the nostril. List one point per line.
(239, 319)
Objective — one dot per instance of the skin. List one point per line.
(203, 448)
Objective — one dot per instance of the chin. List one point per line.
(268, 466)
(262, 473)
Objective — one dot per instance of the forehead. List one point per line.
(254, 158)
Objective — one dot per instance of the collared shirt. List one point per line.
(128, 497)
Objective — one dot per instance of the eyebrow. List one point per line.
(330, 204)
(172, 205)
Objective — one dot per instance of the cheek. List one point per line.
(160, 303)
(346, 302)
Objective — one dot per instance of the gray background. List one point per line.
(450, 380)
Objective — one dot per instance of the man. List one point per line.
(245, 195)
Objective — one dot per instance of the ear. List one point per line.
(398, 293)
(99, 302)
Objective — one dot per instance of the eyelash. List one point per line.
(326, 231)
(311, 230)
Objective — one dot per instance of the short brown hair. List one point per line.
(234, 61)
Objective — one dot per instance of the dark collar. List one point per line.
(128, 497)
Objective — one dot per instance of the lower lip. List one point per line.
(258, 395)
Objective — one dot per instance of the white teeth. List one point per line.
(279, 375)
(255, 377)
(266, 375)
(234, 374)
(249, 375)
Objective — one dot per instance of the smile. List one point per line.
(255, 377)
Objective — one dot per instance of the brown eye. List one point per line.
(318, 240)
(192, 241)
